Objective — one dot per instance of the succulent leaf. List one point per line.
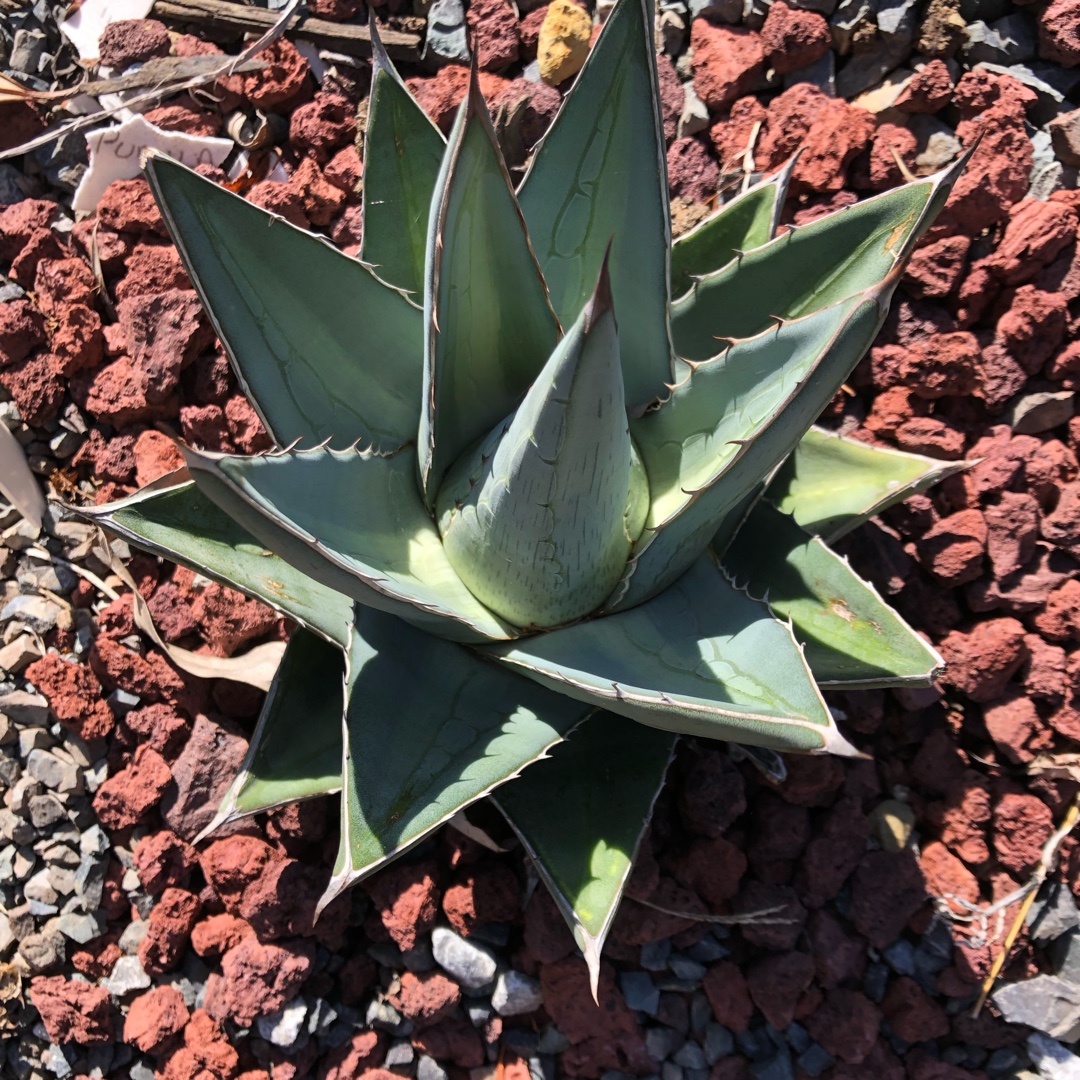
(701, 658)
(287, 305)
(490, 326)
(731, 423)
(581, 816)
(807, 268)
(279, 767)
(852, 637)
(398, 185)
(831, 484)
(353, 521)
(181, 524)
(535, 520)
(460, 726)
(746, 222)
(599, 176)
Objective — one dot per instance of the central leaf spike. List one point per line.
(537, 519)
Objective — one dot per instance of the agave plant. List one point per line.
(537, 471)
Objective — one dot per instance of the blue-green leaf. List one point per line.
(534, 521)
(701, 658)
(430, 728)
(730, 423)
(296, 750)
(831, 484)
(581, 816)
(599, 176)
(181, 524)
(353, 521)
(746, 222)
(322, 347)
(403, 151)
(490, 326)
(853, 639)
(808, 268)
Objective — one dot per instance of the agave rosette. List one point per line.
(537, 470)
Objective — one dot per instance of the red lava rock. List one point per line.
(149, 677)
(1062, 527)
(439, 95)
(258, 978)
(936, 438)
(495, 37)
(937, 266)
(1036, 233)
(202, 773)
(216, 934)
(888, 889)
(206, 1053)
(132, 41)
(160, 726)
(170, 607)
(245, 427)
(186, 117)
(927, 91)
(452, 1040)
(547, 937)
(812, 780)
(604, 1038)
(171, 920)
(793, 38)
(164, 333)
(72, 1012)
(154, 1017)
(672, 95)
(1044, 676)
(282, 80)
(347, 1060)
(426, 998)
(21, 221)
(952, 550)
(712, 868)
(78, 342)
(1012, 525)
(162, 860)
(947, 877)
(1059, 32)
(911, 1014)
(1022, 824)
(152, 268)
(43, 245)
(946, 365)
(488, 894)
(728, 62)
(357, 976)
(756, 896)
(776, 983)
(35, 388)
(692, 172)
(74, 695)
(59, 283)
(779, 830)
(980, 662)
(406, 896)
(830, 133)
(965, 816)
(128, 206)
(19, 122)
(115, 394)
(229, 620)
(846, 1025)
(323, 125)
(275, 894)
(839, 955)
(155, 455)
(1034, 327)
(1014, 725)
(636, 924)
(127, 796)
(996, 177)
(712, 794)
(1060, 619)
(204, 426)
(345, 171)
(22, 330)
(833, 853)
